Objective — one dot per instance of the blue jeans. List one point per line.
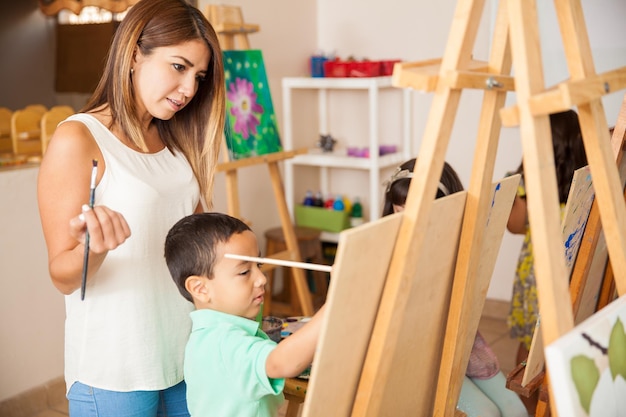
(86, 401)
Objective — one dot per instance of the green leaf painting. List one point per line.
(585, 375)
(587, 365)
(617, 350)
(251, 126)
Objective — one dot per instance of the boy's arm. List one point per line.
(295, 353)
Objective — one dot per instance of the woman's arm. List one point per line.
(295, 353)
(62, 189)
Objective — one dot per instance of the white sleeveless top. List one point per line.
(130, 331)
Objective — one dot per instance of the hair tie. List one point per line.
(400, 174)
(443, 189)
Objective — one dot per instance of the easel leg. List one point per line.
(540, 177)
(299, 277)
(465, 310)
(545, 398)
(293, 408)
(232, 194)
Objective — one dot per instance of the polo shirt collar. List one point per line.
(206, 317)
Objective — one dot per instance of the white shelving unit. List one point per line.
(337, 159)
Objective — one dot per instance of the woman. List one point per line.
(153, 128)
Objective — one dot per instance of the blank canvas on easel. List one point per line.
(357, 283)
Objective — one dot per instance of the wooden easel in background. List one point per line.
(517, 28)
(228, 24)
(515, 36)
(230, 27)
(592, 285)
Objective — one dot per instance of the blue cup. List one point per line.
(317, 65)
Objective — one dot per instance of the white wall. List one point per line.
(32, 310)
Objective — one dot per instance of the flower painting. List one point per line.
(587, 366)
(251, 126)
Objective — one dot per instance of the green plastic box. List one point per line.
(321, 218)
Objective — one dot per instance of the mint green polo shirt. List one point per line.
(225, 368)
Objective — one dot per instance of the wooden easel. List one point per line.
(230, 27)
(515, 35)
(592, 284)
(228, 24)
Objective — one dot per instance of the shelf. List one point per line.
(329, 237)
(326, 161)
(339, 159)
(337, 83)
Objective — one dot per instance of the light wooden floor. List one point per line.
(493, 329)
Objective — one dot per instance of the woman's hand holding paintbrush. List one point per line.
(102, 230)
(92, 198)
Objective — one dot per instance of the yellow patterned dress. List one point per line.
(524, 303)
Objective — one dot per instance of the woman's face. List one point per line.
(397, 208)
(167, 79)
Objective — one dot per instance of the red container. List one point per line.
(386, 67)
(365, 69)
(337, 68)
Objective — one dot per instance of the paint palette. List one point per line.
(292, 324)
(273, 326)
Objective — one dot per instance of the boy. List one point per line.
(231, 366)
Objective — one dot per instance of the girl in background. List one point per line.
(484, 392)
(569, 155)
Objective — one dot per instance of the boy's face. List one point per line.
(237, 286)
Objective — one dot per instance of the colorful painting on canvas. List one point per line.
(251, 126)
(587, 366)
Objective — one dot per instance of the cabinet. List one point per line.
(326, 161)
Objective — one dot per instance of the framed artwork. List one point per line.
(251, 126)
(587, 365)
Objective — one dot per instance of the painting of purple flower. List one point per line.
(251, 128)
(244, 106)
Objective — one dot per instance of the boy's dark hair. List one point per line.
(190, 245)
(398, 187)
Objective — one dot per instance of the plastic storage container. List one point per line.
(321, 218)
(344, 69)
